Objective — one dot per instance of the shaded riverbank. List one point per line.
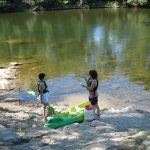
(123, 128)
(14, 6)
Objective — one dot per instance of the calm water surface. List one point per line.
(60, 43)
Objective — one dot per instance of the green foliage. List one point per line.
(113, 4)
(15, 4)
(38, 1)
(2, 3)
(136, 2)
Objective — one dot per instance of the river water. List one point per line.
(64, 44)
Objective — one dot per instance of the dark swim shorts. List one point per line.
(93, 100)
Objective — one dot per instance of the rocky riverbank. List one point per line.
(21, 127)
(124, 122)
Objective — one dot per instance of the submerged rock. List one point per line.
(8, 77)
(15, 63)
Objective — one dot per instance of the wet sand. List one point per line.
(117, 92)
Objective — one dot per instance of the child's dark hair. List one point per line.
(93, 74)
(41, 76)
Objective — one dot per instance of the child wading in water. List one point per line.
(91, 86)
(43, 94)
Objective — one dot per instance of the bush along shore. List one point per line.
(38, 5)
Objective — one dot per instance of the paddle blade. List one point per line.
(31, 93)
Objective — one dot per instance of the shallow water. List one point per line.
(62, 43)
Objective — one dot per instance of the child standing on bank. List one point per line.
(43, 94)
(91, 86)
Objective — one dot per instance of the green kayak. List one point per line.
(73, 115)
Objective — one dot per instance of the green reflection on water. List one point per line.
(114, 41)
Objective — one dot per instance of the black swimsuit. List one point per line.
(89, 82)
(93, 100)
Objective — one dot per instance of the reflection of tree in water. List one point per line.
(136, 52)
(137, 61)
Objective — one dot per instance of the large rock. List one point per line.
(8, 136)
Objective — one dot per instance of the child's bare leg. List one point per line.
(96, 107)
(45, 112)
